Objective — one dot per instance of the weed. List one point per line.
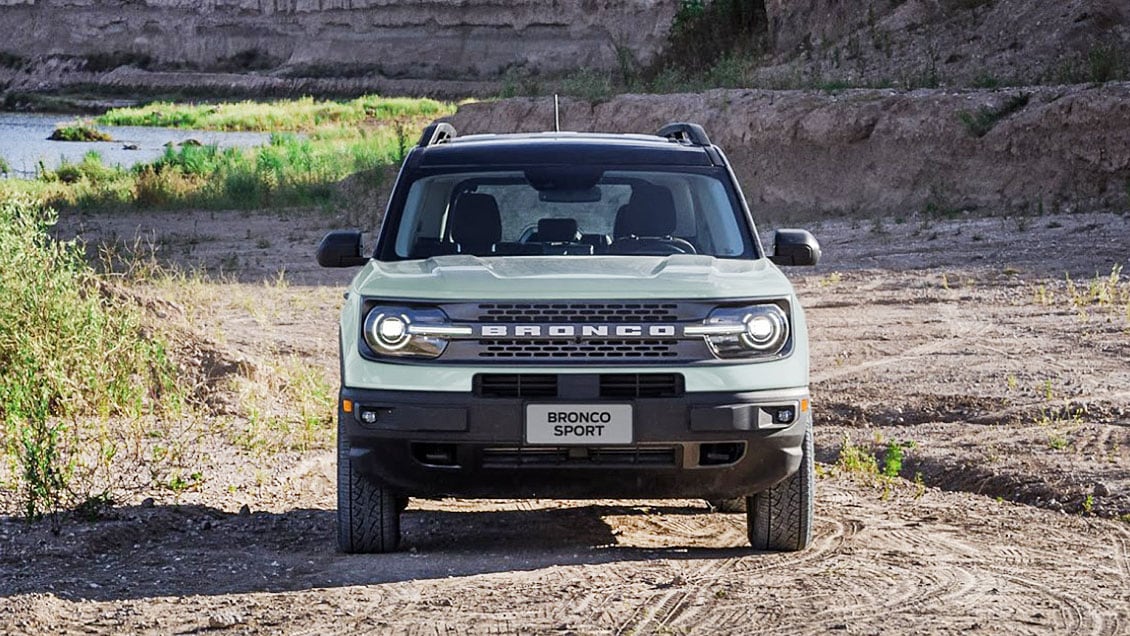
(1088, 504)
(831, 279)
(892, 459)
(979, 123)
(588, 84)
(69, 358)
(986, 79)
(856, 459)
(1105, 62)
(5, 168)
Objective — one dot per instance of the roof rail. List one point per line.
(684, 132)
(437, 133)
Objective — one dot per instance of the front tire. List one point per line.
(780, 519)
(368, 513)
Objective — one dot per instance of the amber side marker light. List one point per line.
(804, 406)
(347, 406)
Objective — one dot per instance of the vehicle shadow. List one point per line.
(199, 550)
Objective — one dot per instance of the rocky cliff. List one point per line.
(946, 42)
(863, 152)
(358, 42)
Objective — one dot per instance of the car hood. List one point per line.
(679, 276)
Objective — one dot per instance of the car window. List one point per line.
(587, 213)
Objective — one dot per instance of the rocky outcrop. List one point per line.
(947, 42)
(863, 152)
(360, 40)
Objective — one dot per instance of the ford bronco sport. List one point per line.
(576, 316)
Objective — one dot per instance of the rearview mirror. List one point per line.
(795, 247)
(341, 248)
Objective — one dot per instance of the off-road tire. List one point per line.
(368, 513)
(780, 519)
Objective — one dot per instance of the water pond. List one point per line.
(24, 144)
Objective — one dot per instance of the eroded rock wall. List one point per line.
(863, 152)
(947, 42)
(416, 39)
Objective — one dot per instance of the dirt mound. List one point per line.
(203, 364)
(865, 152)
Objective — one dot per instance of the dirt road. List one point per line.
(962, 341)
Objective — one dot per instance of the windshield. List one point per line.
(562, 211)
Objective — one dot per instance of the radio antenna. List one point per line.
(556, 114)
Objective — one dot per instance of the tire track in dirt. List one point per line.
(958, 332)
(673, 610)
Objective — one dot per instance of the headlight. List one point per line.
(745, 332)
(408, 332)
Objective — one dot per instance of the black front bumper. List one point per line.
(699, 445)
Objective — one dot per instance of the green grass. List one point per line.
(78, 131)
(338, 139)
(70, 354)
(304, 114)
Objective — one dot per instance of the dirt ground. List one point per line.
(995, 351)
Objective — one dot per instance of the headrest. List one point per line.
(649, 212)
(475, 220)
(558, 231)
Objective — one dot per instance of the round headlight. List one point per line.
(764, 330)
(388, 331)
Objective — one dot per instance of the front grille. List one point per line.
(612, 386)
(516, 385)
(579, 456)
(578, 312)
(641, 385)
(586, 349)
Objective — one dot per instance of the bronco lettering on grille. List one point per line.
(576, 331)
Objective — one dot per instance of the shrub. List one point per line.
(78, 131)
(66, 353)
(706, 31)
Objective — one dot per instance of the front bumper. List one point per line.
(699, 445)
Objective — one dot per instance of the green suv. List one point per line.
(567, 315)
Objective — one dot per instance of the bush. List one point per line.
(67, 352)
(78, 131)
(706, 31)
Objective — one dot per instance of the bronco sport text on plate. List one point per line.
(576, 316)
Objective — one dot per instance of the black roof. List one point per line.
(553, 148)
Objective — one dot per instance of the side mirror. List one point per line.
(795, 247)
(341, 248)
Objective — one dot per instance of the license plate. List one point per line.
(566, 424)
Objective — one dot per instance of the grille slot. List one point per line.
(516, 385)
(579, 456)
(578, 312)
(573, 349)
(641, 385)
